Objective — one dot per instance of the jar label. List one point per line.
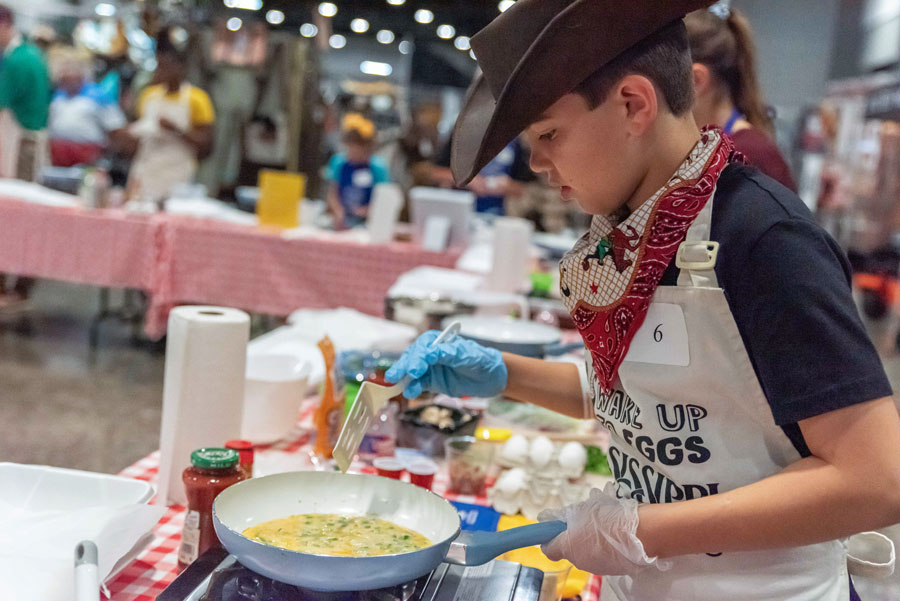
(190, 538)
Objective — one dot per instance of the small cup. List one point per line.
(388, 467)
(421, 473)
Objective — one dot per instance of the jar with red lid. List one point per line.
(212, 470)
(245, 453)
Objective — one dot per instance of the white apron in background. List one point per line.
(11, 137)
(163, 160)
(688, 419)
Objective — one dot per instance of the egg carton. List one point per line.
(518, 491)
(541, 457)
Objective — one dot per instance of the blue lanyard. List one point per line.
(736, 116)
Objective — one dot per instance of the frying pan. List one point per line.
(281, 495)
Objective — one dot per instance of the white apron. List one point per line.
(688, 419)
(163, 161)
(12, 138)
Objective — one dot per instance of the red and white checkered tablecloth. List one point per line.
(177, 260)
(212, 262)
(155, 568)
(101, 248)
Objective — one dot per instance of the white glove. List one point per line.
(600, 537)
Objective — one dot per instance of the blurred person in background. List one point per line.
(411, 154)
(727, 90)
(504, 177)
(353, 173)
(173, 132)
(24, 104)
(82, 113)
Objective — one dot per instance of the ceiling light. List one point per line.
(425, 16)
(337, 41)
(472, 54)
(105, 10)
(308, 30)
(234, 24)
(359, 25)
(505, 5)
(275, 17)
(385, 36)
(405, 47)
(446, 31)
(244, 4)
(462, 42)
(376, 68)
(396, 2)
(327, 9)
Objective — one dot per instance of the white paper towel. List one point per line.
(203, 393)
(511, 255)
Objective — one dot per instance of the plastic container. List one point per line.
(388, 467)
(421, 473)
(471, 463)
(38, 488)
(212, 470)
(381, 438)
(416, 431)
(273, 391)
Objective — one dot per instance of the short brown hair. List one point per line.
(664, 58)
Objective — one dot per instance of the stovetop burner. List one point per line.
(216, 576)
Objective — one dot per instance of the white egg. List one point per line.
(541, 451)
(572, 459)
(512, 481)
(515, 450)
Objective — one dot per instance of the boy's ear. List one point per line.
(638, 98)
(701, 77)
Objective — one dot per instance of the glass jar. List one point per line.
(212, 470)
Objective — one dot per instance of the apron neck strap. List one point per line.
(696, 256)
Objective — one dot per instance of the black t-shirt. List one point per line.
(787, 283)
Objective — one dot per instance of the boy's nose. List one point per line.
(538, 162)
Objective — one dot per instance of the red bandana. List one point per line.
(609, 277)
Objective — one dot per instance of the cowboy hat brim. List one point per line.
(575, 43)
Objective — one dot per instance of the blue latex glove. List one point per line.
(457, 368)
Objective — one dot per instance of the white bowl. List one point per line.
(275, 386)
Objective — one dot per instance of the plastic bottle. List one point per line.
(328, 416)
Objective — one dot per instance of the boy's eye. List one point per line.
(548, 136)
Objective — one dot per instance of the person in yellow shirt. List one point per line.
(173, 132)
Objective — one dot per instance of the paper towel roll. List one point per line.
(203, 392)
(511, 255)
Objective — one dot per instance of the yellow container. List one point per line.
(280, 193)
(561, 578)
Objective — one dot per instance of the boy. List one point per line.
(354, 173)
(752, 426)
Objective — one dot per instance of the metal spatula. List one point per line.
(369, 402)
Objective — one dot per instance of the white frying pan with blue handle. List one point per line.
(278, 496)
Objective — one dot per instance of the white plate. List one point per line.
(506, 330)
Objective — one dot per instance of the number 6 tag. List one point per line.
(662, 339)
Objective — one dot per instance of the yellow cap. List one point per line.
(493, 434)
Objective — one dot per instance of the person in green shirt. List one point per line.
(24, 108)
(24, 88)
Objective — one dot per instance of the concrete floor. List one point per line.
(62, 405)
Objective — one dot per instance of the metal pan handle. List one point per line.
(476, 548)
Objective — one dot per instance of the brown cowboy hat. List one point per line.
(535, 53)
